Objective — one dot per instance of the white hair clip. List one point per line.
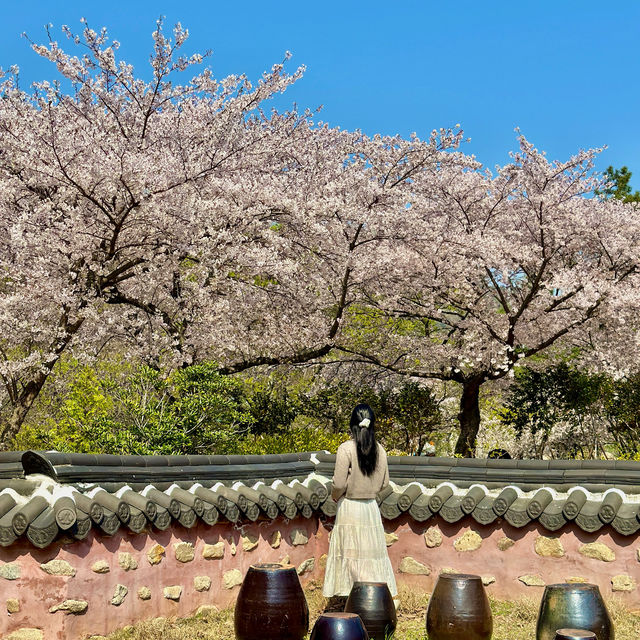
(365, 423)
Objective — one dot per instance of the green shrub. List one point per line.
(115, 407)
(567, 412)
(193, 410)
(293, 440)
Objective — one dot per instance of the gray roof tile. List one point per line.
(553, 518)
(539, 503)
(484, 513)
(517, 515)
(419, 510)
(588, 519)
(626, 521)
(154, 491)
(451, 510)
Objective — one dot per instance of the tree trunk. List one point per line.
(31, 390)
(469, 417)
(21, 408)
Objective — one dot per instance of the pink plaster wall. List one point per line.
(518, 560)
(38, 591)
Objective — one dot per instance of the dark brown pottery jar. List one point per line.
(573, 606)
(339, 626)
(459, 609)
(372, 601)
(271, 604)
(575, 634)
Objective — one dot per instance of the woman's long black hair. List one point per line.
(363, 422)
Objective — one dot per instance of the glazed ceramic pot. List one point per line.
(339, 626)
(574, 634)
(372, 601)
(573, 606)
(271, 604)
(459, 609)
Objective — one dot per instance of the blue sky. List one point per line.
(564, 72)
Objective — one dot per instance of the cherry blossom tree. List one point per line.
(434, 268)
(130, 208)
(483, 271)
(178, 221)
(184, 222)
(339, 202)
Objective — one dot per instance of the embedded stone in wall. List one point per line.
(549, 547)
(10, 571)
(155, 554)
(307, 565)
(119, 594)
(322, 561)
(232, 548)
(26, 634)
(144, 593)
(71, 606)
(468, 541)
(298, 537)
(250, 542)
(127, 561)
(100, 566)
(58, 568)
(285, 560)
(184, 551)
(202, 583)
(412, 566)
(13, 605)
(532, 581)
(505, 543)
(173, 592)
(276, 538)
(597, 551)
(231, 579)
(213, 551)
(390, 538)
(577, 580)
(487, 580)
(623, 582)
(433, 537)
(449, 570)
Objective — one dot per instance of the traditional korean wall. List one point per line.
(514, 561)
(78, 589)
(89, 544)
(73, 590)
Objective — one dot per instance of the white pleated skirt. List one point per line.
(357, 550)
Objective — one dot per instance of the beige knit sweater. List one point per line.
(349, 481)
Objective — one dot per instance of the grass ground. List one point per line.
(512, 620)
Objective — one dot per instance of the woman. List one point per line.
(358, 550)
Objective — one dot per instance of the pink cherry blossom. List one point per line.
(176, 221)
